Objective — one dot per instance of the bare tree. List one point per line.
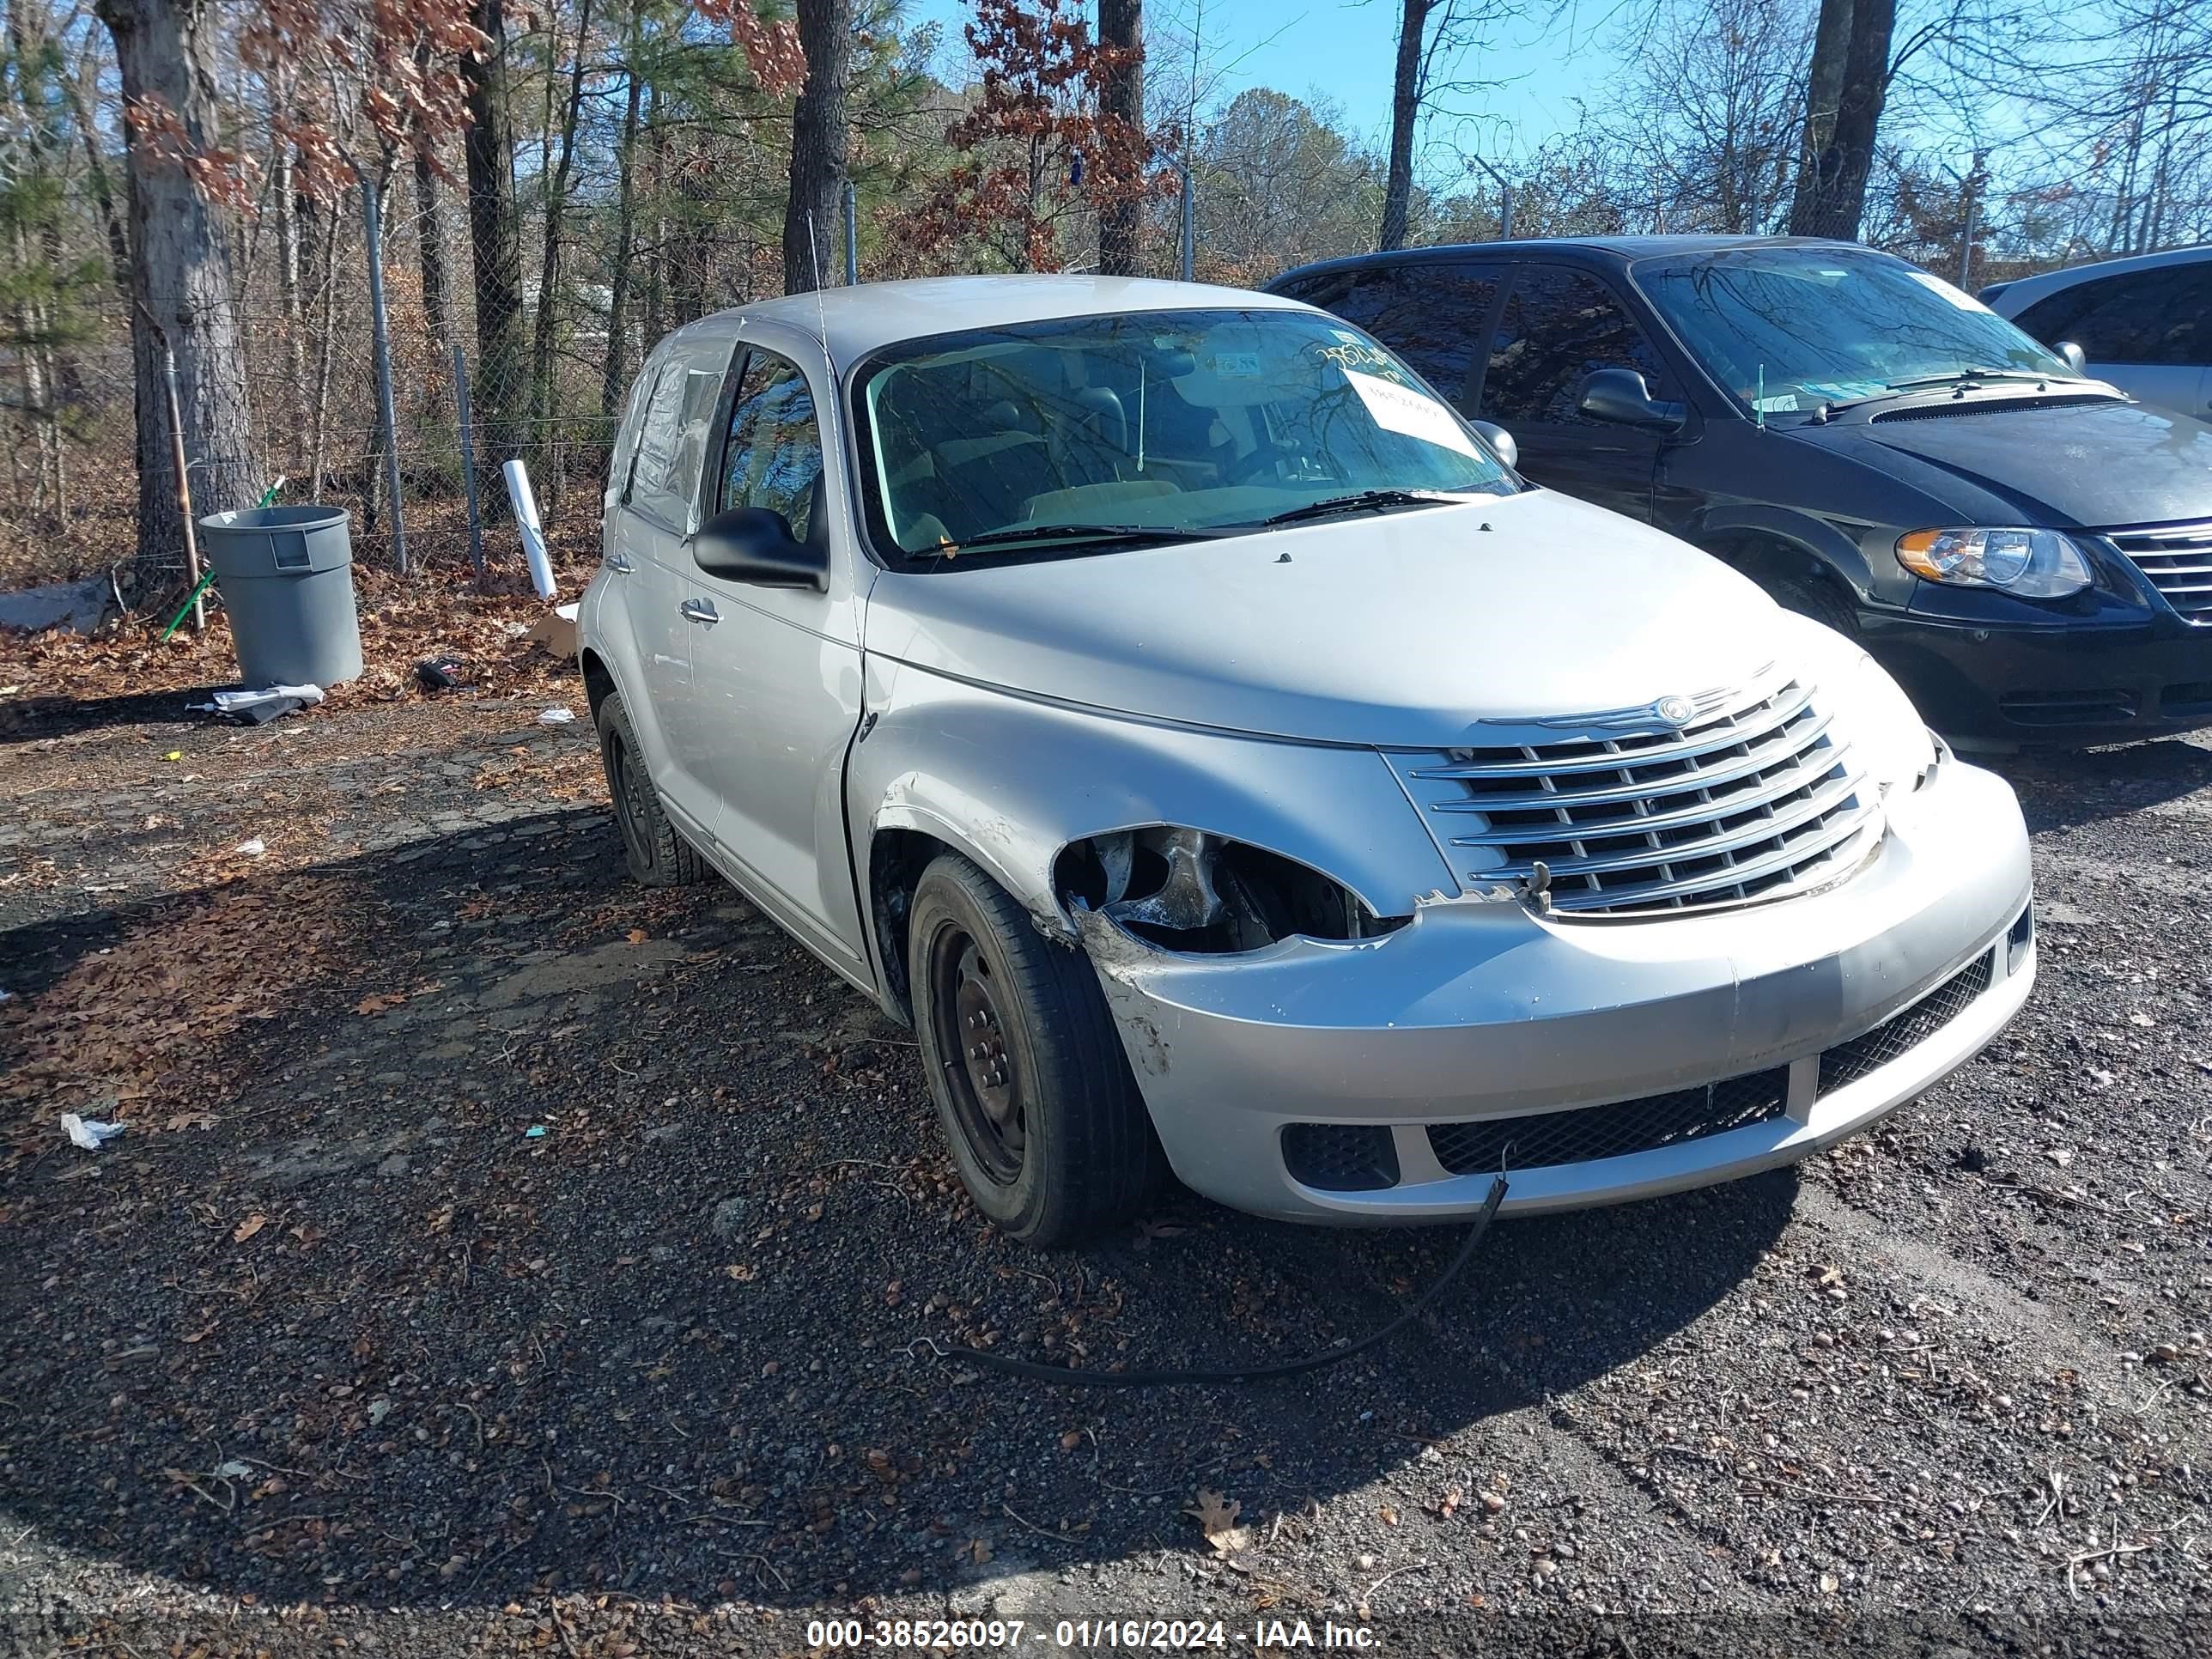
(1703, 126)
(1433, 35)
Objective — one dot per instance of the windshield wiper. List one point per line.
(1065, 532)
(1960, 378)
(1360, 501)
(1965, 376)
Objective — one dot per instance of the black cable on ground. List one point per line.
(1082, 1379)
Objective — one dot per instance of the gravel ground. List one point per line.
(501, 1257)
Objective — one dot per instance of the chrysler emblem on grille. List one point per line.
(1676, 711)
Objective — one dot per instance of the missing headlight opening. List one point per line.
(1187, 890)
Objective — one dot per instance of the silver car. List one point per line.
(1162, 701)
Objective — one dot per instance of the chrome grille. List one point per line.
(1758, 795)
(2177, 559)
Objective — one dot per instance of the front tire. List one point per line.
(656, 855)
(1822, 598)
(1031, 1087)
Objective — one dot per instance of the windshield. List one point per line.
(1152, 423)
(1788, 329)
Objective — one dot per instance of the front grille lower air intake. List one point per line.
(1756, 795)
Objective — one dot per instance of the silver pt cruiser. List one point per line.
(1163, 701)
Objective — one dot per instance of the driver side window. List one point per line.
(1557, 325)
(773, 456)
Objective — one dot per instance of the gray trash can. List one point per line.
(286, 576)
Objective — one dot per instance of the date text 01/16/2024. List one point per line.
(1125, 1635)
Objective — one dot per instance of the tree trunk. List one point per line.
(1832, 191)
(616, 373)
(103, 193)
(1121, 100)
(1405, 94)
(548, 274)
(816, 205)
(502, 351)
(1824, 86)
(182, 291)
(654, 324)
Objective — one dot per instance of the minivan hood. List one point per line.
(2076, 465)
(1398, 630)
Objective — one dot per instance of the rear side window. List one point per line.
(1557, 325)
(1433, 315)
(671, 442)
(2162, 316)
(773, 456)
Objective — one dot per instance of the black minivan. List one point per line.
(2028, 550)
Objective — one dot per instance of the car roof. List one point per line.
(2024, 291)
(852, 322)
(1613, 250)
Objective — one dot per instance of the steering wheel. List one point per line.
(1258, 466)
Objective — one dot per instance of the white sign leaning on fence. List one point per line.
(533, 534)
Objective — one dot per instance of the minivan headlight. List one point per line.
(1893, 743)
(2031, 564)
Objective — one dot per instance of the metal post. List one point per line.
(380, 330)
(1505, 195)
(852, 235)
(462, 407)
(184, 487)
(1189, 230)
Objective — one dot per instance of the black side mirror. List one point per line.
(2075, 359)
(752, 544)
(1500, 440)
(1621, 396)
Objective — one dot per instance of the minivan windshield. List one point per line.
(1788, 329)
(1082, 434)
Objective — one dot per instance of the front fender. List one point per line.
(1009, 781)
(604, 631)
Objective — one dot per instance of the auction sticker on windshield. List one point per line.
(1401, 409)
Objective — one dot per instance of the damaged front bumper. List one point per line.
(1387, 1080)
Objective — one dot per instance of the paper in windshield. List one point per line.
(1401, 409)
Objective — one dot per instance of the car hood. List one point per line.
(2077, 464)
(1396, 629)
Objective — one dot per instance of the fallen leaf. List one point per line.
(191, 1121)
(744, 1273)
(246, 1229)
(638, 936)
(1830, 1584)
(2062, 1156)
(378, 1001)
(1216, 1514)
(1388, 1516)
(976, 1549)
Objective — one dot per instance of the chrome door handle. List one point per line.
(619, 565)
(700, 611)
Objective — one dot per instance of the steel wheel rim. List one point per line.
(982, 1080)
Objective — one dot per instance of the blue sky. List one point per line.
(1345, 51)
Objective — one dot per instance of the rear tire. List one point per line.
(656, 855)
(1031, 1087)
